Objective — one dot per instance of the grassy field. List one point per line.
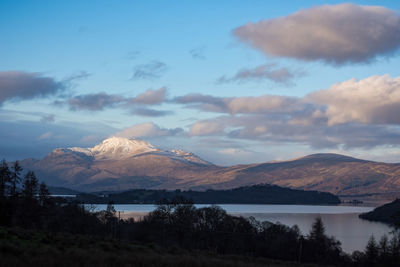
(20, 247)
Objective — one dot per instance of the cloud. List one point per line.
(279, 130)
(20, 139)
(374, 100)
(47, 118)
(137, 105)
(147, 129)
(19, 85)
(197, 53)
(148, 112)
(45, 135)
(240, 105)
(151, 97)
(206, 128)
(353, 113)
(80, 75)
(334, 34)
(234, 152)
(266, 71)
(94, 102)
(149, 71)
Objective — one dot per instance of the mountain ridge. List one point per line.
(123, 164)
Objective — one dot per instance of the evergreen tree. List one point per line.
(394, 244)
(317, 232)
(30, 186)
(384, 246)
(15, 178)
(44, 194)
(371, 251)
(5, 175)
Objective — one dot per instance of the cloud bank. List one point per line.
(334, 34)
(353, 113)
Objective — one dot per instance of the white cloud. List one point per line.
(205, 128)
(147, 129)
(374, 100)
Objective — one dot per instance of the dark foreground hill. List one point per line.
(257, 194)
(119, 164)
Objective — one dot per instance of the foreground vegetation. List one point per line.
(66, 234)
(256, 194)
(20, 247)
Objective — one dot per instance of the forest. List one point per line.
(256, 194)
(40, 230)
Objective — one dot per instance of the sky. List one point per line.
(231, 81)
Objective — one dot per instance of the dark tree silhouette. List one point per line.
(44, 194)
(321, 248)
(15, 178)
(5, 175)
(30, 185)
(371, 251)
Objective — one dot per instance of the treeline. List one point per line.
(256, 194)
(211, 229)
(388, 213)
(178, 224)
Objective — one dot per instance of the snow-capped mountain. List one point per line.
(119, 148)
(120, 164)
(115, 158)
(116, 148)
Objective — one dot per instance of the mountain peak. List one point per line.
(117, 148)
(120, 147)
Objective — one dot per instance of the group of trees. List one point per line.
(26, 203)
(386, 252)
(13, 184)
(178, 223)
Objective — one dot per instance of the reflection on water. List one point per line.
(340, 221)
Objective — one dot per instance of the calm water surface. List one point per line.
(340, 221)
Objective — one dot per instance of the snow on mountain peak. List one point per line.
(180, 152)
(117, 148)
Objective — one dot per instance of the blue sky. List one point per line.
(75, 72)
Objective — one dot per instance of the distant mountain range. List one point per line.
(121, 164)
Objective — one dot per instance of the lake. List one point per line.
(340, 221)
